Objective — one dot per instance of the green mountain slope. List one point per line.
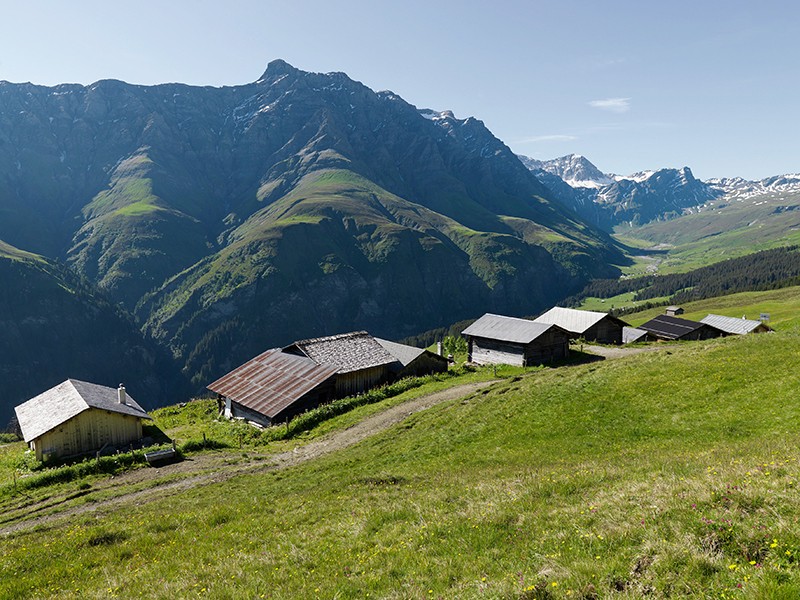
(666, 474)
(338, 248)
(216, 215)
(56, 326)
(722, 230)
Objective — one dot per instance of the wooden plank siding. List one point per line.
(605, 331)
(88, 432)
(356, 382)
(550, 346)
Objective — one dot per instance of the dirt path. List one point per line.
(204, 469)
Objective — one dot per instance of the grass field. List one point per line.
(665, 474)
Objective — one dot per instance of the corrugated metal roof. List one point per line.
(272, 381)
(632, 334)
(572, 319)
(348, 352)
(59, 404)
(404, 354)
(506, 329)
(733, 325)
(671, 328)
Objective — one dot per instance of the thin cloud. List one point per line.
(617, 105)
(548, 138)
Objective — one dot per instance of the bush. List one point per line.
(7, 438)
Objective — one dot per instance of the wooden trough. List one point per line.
(160, 457)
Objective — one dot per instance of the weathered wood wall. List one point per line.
(605, 331)
(88, 432)
(356, 382)
(551, 345)
(424, 364)
(484, 351)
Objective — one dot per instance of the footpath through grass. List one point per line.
(664, 474)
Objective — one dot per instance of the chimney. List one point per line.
(439, 348)
(121, 394)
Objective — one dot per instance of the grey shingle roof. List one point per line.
(272, 381)
(404, 354)
(347, 352)
(506, 329)
(733, 325)
(59, 404)
(572, 319)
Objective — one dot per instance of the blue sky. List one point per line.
(708, 84)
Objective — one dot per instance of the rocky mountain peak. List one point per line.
(275, 69)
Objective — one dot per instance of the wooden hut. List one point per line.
(496, 339)
(664, 327)
(589, 325)
(361, 362)
(77, 417)
(275, 386)
(411, 361)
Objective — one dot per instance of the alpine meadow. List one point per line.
(525, 326)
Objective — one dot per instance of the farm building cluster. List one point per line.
(76, 418)
(496, 339)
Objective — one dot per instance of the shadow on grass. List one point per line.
(577, 357)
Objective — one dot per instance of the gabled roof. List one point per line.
(574, 320)
(58, 405)
(672, 328)
(272, 381)
(402, 353)
(734, 325)
(347, 352)
(632, 334)
(506, 329)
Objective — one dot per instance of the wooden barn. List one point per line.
(361, 363)
(665, 327)
(734, 326)
(412, 361)
(275, 386)
(77, 417)
(495, 339)
(589, 325)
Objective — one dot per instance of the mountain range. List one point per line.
(609, 201)
(213, 223)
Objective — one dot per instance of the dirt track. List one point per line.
(204, 469)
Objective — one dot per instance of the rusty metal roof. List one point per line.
(347, 352)
(272, 381)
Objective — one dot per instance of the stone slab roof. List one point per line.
(347, 352)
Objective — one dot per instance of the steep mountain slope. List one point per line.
(56, 326)
(231, 219)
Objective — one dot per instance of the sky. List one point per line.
(631, 85)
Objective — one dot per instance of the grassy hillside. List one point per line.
(782, 305)
(669, 473)
(719, 232)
